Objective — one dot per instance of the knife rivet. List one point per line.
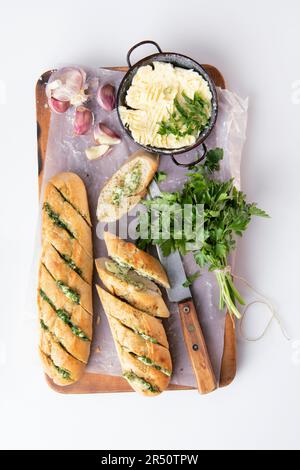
(195, 347)
(186, 309)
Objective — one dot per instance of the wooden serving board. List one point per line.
(99, 383)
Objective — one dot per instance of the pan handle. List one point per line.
(138, 45)
(189, 165)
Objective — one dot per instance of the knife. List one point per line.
(193, 336)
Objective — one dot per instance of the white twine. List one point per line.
(265, 301)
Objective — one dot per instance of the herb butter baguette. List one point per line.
(127, 254)
(137, 290)
(141, 344)
(127, 186)
(65, 276)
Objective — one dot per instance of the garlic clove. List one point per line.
(58, 106)
(106, 97)
(83, 121)
(104, 135)
(97, 151)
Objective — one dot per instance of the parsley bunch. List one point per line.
(190, 117)
(226, 215)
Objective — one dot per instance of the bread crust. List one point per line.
(66, 212)
(77, 347)
(145, 299)
(61, 358)
(65, 277)
(74, 191)
(133, 318)
(68, 247)
(133, 343)
(155, 378)
(109, 212)
(147, 366)
(62, 272)
(129, 254)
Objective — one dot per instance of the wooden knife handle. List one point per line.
(196, 347)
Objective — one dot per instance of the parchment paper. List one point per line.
(65, 152)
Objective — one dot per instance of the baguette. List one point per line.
(73, 191)
(138, 291)
(141, 345)
(140, 322)
(127, 186)
(65, 277)
(126, 253)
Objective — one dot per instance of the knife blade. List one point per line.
(192, 332)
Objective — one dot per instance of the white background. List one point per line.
(256, 45)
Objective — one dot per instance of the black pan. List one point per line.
(178, 60)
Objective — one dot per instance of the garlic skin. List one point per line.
(106, 97)
(68, 84)
(97, 151)
(83, 120)
(104, 135)
(58, 106)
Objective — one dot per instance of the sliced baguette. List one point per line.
(128, 254)
(65, 277)
(137, 290)
(143, 379)
(55, 357)
(76, 224)
(61, 272)
(68, 247)
(78, 347)
(147, 366)
(116, 198)
(133, 343)
(73, 190)
(140, 322)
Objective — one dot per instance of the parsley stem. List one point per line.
(227, 294)
(235, 292)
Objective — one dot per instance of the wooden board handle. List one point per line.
(196, 347)
(229, 365)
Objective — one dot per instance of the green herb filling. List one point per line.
(128, 185)
(65, 317)
(69, 293)
(133, 378)
(57, 220)
(149, 362)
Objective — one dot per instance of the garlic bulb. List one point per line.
(68, 85)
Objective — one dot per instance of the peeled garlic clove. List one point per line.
(104, 135)
(96, 152)
(106, 97)
(83, 121)
(58, 106)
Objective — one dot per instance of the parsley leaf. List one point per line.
(191, 116)
(226, 215)
(160, 176)
(190, 279)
